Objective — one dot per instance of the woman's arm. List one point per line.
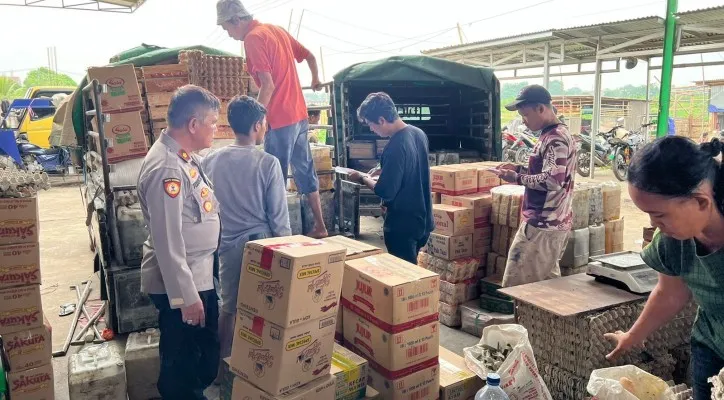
(668, 298)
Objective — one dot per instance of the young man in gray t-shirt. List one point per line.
(250, 188)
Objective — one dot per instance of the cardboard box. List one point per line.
(28, 349)
(393, 355)
(124, 136)
(481, 204)
(19, 220)
(453, 180)
(278, 359)
(291, 280)
(451, 220)
(123, 92)
(457, 382)
(19, 265)
(436, 198)
(20, 309)
(355, 248)
(320, 389)
(482, 241)
(614, 236)
(351, 372)
(422, 385)
(450, 247)
(393, 293)
(487, 180)
(34, 384)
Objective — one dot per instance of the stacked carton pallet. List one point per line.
(286, 316)
(391, 318)
(122, 105)
(27, 340)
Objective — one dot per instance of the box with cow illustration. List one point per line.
(291, 280)
(278, 359)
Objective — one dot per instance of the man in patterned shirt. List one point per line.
(546, 209)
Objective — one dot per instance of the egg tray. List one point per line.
(577, 344)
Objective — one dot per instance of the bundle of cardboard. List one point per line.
(27, 340)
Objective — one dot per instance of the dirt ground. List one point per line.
(66, 260)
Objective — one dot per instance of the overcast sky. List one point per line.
(346, 31)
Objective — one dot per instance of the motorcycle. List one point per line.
(36, 158)
(603, 151)
(623, 150)
(521, 146)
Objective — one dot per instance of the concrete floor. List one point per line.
(67, 260)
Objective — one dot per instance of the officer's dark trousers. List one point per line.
(189, 354)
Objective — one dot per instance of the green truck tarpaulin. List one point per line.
(422, 69)
(152, 56)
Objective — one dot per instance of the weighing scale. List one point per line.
(626, 270)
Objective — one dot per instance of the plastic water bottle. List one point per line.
(492, 390)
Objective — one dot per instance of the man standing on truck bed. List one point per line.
(404, 181)
(182, 215)
(546, 209)
(271, 53)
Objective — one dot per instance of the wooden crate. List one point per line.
(158, 113)
(224, 132)
(159, 99)
(161, 85)
(165, 71)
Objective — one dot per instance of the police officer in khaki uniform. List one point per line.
(181, 213)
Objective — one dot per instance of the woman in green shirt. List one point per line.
(681, 186)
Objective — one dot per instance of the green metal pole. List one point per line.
(667, 68)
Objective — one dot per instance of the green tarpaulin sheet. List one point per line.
(419, 68)
(151, 57)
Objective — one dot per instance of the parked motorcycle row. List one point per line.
(612, 149)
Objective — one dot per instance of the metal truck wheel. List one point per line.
(583, 165)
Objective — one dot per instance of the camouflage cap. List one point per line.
(228, 9)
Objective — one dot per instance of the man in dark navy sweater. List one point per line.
(404, 183)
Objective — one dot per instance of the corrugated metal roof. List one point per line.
(702, 15)
(604, 29)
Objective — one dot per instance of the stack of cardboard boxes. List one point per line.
(505, 217)
(459, 246)
(613, 221)
(391, 318)
(287, 307)
(27, 341)
(121, 105)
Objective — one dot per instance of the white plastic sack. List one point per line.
(519, 376)
(605, 384)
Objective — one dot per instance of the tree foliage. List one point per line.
(9, 89)
(45, 77)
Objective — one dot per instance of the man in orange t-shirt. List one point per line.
(271, 58)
